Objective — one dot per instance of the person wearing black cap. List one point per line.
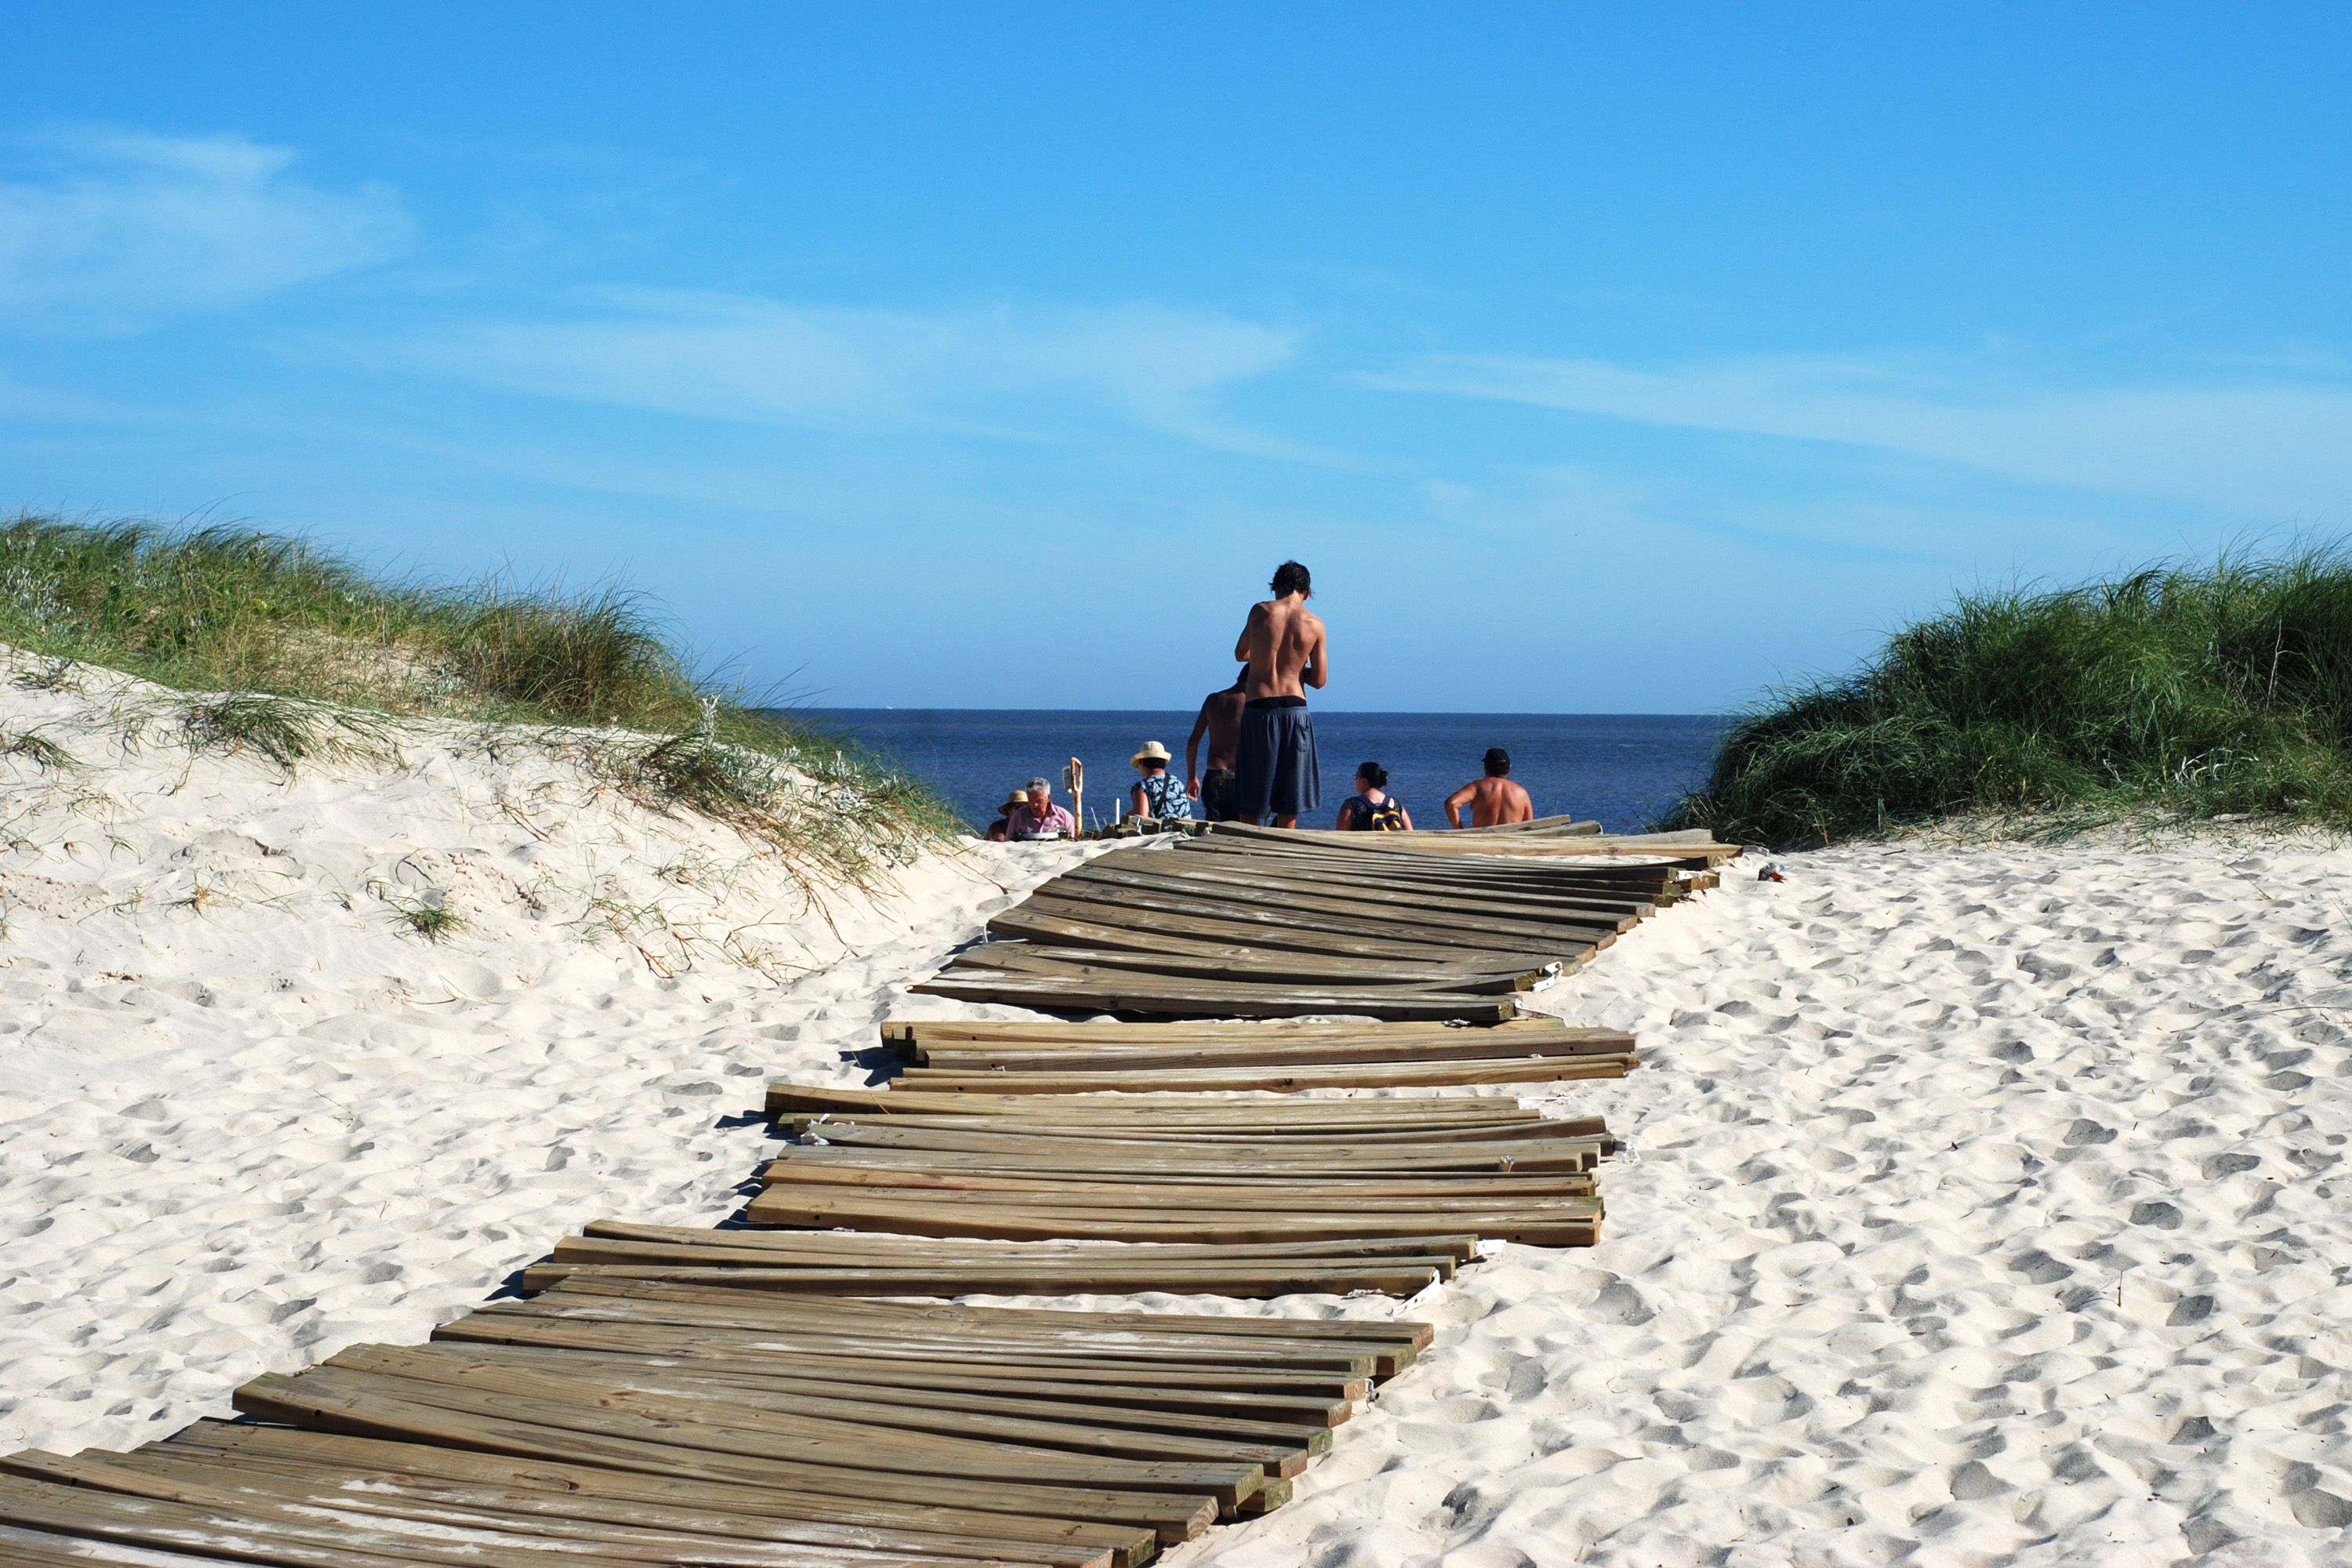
(1492, 800)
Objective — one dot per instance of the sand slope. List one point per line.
(248, 1115)
(1990, 1208)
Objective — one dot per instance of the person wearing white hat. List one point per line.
(1159, 793)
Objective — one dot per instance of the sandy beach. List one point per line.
(1983, 1207)
(1987, 1210)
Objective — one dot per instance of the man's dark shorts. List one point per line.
(1276, 774)
(1217, 794)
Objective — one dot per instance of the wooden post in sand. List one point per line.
(1075, 775)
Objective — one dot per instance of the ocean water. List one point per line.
(1622, 768)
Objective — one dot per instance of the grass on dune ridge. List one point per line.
(300, 653)
(2182, 690)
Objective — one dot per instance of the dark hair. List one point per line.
(1290, 577)
(1498, 762)
(1373, 774)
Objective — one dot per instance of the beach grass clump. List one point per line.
(2181, 692)
(290, 652)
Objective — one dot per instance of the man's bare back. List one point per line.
(1221, 722)
(1284, 645)
(1493, 800)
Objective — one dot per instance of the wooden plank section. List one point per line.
(1067, 1543)
(660, 1529)
(1399, 1278)
(626, 1439)
(938, 1436)
(477, 1529)
(1397, 914)
(1086, 925)
(907, 1217)
(1307, 1398)
(1026, 957)
(1016, 1399)
(1355, 890)
(1384, 1075)
(1123, 995)
(1281, 926)
(834, 1248)
(256, 1535)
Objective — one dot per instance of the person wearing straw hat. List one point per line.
(1002, 828)
(1159, 793)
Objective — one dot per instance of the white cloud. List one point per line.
(765, 362)
(133, 228)
(2274, 445)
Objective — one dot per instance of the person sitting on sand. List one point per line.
(1002, 828)
(1494, 799)
(1039, 817)
(1371, 809)
(1159, 793)
(1221, 721)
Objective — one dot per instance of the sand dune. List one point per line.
(248, 1115)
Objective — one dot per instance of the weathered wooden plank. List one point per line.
(1269, 927)
(1174, 1110)
(913, 1032)
(1374, 898)
(1393, 1279)
(482, 1527)
(911, 1217)
(1092, 925)
(1030, 957)
(1206, 997)
(1453, 1045)
(1533, 1154)
(1191, 1463)
(1279, 1079)
(1182, 1330)
(1022, 1401)
(288, 1450)
(805, 1244)
(348, 1403)
(1145, 897)
(1302, 1398)
(255, 1534)
(930, 1331)
(1255, 1192)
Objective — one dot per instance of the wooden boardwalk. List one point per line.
(1249, 923)
(800, 1388)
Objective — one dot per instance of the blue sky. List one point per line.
(993, 356)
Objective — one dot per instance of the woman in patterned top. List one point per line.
(1157, 793)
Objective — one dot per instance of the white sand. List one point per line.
(1990, 1209)
(247, 1116)
(1987, 1209)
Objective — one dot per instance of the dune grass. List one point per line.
(2179, 692)
(291, 653)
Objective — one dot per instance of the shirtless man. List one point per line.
(1494, 799)
(1221, 721)
(1273, 766)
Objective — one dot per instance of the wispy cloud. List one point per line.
(2241, 439)
(766, 361)
(126, 229)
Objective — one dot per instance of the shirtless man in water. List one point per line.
(1493, 800)
(1275, 770)
(1221, 721)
